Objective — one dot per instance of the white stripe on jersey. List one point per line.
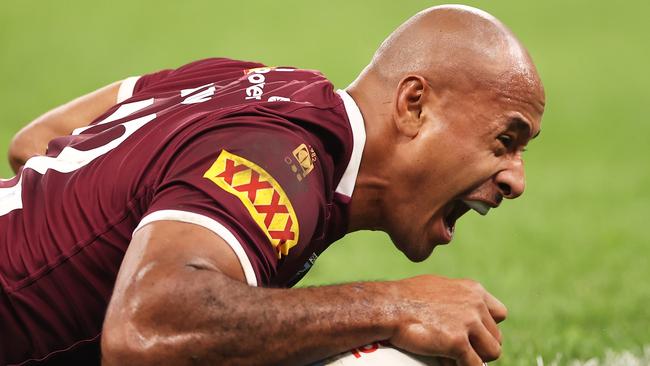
(126, 89)
(210, 224)
(346, 185)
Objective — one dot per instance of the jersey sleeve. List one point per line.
(248, 186)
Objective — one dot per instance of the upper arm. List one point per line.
(163, 247)
(161, 267)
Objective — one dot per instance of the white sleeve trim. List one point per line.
(126, 88)
(349, 179)
(210, 224)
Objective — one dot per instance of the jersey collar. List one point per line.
(346, 185)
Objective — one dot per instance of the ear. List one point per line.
(411, 93)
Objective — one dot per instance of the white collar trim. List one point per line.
(346, 185)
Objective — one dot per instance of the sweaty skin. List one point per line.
(193, 307)
(449, 101)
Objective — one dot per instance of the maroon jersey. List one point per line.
(264, 157)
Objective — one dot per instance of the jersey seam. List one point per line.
(318, 107)
(237, 108)
(57, 351)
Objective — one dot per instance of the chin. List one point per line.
(414, 252)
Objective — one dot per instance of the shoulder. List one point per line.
(240, 150)
(265, 182)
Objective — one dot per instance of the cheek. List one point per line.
(474, 165)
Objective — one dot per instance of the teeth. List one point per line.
(478, 206)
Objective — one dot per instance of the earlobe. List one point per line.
(408, 105)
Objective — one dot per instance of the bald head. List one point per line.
(453, 46)
(449, 101)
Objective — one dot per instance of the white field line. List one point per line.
(612, 358)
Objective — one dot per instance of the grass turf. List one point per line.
(570, 258)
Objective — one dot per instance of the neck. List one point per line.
(368, 200)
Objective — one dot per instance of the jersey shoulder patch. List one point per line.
(262, 195)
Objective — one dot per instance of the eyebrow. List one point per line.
(521, 123)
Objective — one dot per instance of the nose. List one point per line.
(511, 182)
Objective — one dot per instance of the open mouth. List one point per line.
(456, 209)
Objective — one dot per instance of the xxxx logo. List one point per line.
(263, 197)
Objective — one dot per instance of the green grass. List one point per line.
(570, 259)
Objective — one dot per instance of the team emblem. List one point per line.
(305, 158)
(262, 196)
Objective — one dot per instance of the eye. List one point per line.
(506, 140)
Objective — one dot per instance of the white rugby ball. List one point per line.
(378, 354)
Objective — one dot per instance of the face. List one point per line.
(466, 154)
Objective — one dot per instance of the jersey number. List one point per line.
(71, 159)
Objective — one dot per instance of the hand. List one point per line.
(450, 318)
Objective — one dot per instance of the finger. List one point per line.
(467, 356)
(484, 343)
(497, 309)
(490, 324)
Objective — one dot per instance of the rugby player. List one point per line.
(167, 215)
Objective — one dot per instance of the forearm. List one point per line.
(214, 320)
(185, 305)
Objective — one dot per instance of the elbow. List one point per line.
(15, 155)
(117, 349)
(113, 352)
(124, 338)
(21, 148)
(132, 333)
(122, 344)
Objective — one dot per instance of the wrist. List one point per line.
(388, 308)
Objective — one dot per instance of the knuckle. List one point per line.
(476, 286)
(476, 321)
(474, 304)
(473, 286)
(471, 322)
(478, 302)
(458, 344)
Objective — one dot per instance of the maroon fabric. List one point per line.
(60, 252)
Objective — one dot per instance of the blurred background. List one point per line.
(570, 258)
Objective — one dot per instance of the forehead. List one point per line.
(514, 98)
